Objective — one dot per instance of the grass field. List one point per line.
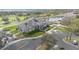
(10, 27)
(22, 18)
(34, 33)
(12, 18)
(0, 18)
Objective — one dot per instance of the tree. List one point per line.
(72, 26)
(48, 42)
(5, 19)
(0, 43)
(48, 38)
(77, 16)
(66, 21)
(75, 26)
(69, 29)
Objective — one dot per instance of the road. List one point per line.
(59, 36)
(31, 44)
(24, 44)
(27, 44)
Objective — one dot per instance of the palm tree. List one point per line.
(68, 21)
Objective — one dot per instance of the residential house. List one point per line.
(32, 24)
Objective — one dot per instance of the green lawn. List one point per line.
(34, 33)
(61, 29)
(12, 18)
(37, 34)
(1, 26)
(49, 27)
(52, 15)
(12, 27)
(9, 27)
(14, 31)
(0, 18)
(21, 18)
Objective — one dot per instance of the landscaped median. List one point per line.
(70, 40)
(70, 43)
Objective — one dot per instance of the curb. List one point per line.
(70, 44)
